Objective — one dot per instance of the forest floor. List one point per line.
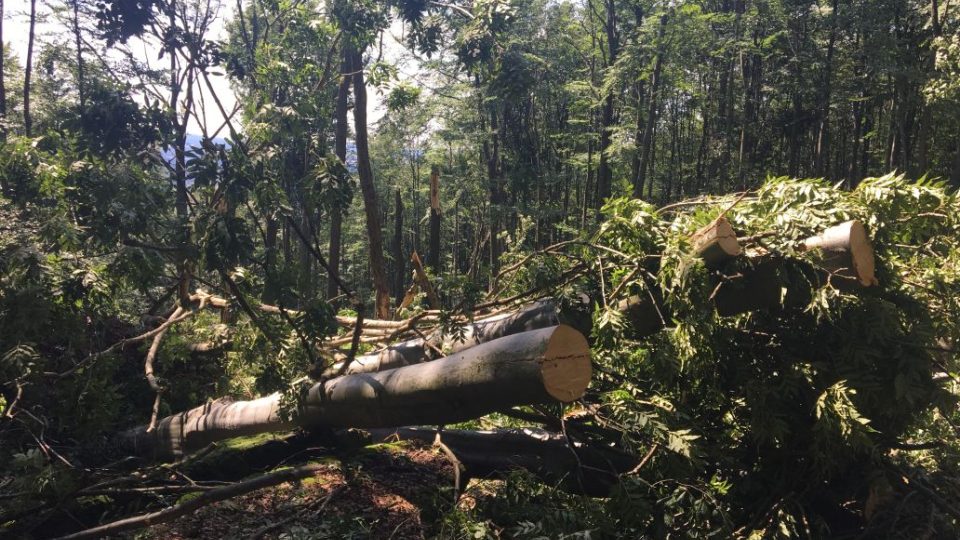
(389, 491)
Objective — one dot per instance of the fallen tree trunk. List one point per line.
(539, 366)
(539, 315)
(575, 466)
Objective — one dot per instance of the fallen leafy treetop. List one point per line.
(801, 401)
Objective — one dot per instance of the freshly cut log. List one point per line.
(574, 466)
(716, 243)
(644, 312)
(539, 315)
(539, 366)
(847, 253)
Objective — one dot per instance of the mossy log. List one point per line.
(540, 366)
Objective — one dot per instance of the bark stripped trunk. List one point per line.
(371, 205)
(540, 366)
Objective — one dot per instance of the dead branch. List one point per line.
(148, 367)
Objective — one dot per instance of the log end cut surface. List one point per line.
(716, 243)
(566, 365)
(847, 245)
(862, 254)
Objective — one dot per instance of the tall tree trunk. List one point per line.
(28, 71)
(604, 174)
(433, 258)
(398, 259)
(179, 124)
(340, 148)
(491, 153)
(370, 204)
(81, 91)
(270, 286)
(641, 178)
(822, 153)
(3, 84)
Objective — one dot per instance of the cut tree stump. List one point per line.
(540, 366)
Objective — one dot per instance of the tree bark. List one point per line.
(398, 259)
(540, 366)
(371, 205)
(28, 71)
(3, 84)
(340, 148)
(433, 259)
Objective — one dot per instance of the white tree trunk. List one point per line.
(540, 366)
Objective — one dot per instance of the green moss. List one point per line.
(243, 443)
(397, 447)
(187, 497)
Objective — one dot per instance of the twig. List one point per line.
(645, 459)
(354, 343)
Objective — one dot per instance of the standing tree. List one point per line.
(28, 72)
